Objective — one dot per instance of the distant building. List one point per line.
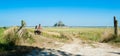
(59, 24)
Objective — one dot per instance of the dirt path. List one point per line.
(97, 49)
(78, 48)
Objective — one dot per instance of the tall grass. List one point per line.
(9, 37)
(94, 34)
(4, 44)
(89, 34)
(2, 40)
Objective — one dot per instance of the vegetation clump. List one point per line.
(10, 38)
(59, 24)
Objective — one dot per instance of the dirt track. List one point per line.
(77, 48)
(97, 49)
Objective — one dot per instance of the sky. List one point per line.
(70, 12)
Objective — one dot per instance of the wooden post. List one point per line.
(23, 23)
(115, 27)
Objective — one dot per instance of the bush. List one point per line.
(110, 37)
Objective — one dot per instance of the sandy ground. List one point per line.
(78, 48)
(97, 49)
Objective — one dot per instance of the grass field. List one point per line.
(86, 33)
(55, 37)
(92, 34)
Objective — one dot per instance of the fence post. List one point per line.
(115, 27)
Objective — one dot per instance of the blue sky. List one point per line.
(48, 12)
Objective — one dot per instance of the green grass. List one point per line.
(115, 41)
(93, 34)
(89, 34)
(3, 43)
(10, 38)
(1, 35)
(55, 37)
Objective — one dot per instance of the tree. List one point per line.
(59, 24)
(55, 24)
